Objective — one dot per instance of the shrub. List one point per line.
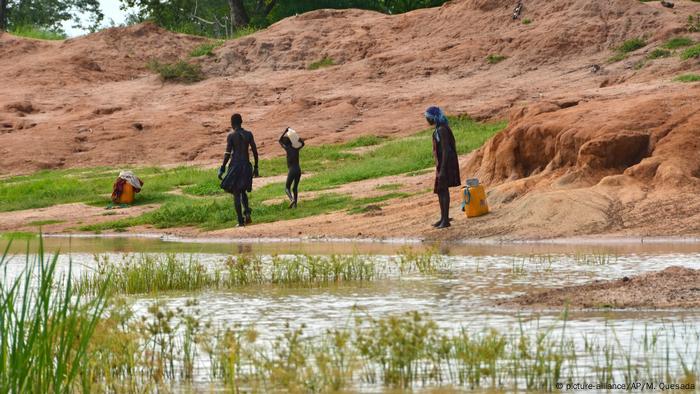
(659, 53)
(493, 59)
(181, 71)
(206, 49)
(691, 52)
(325, 62)
(527, 21)
(678, 42)
(631, 45)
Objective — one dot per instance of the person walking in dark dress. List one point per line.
(239, 177)
(446, 162)
(292, 144)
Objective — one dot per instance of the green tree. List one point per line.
(3, 13)
(223, 17)
(49, 14)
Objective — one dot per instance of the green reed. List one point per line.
(427, 261)
(45, 327)
(143, 274)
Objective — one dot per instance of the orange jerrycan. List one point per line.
(474, 199)
(127, 196)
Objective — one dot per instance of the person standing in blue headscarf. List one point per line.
(446, 162)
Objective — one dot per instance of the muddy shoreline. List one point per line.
(203, 238)
(671, 288)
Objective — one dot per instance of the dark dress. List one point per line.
(446, 162)
(239, 177)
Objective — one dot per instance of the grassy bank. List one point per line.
(202, 202)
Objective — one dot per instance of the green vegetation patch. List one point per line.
(692, 52)
(659, 53)
(17, 235)
(205, 205)
(631, 45)
(617, 57)
(44, 222)
(37, 33)
(365, 140)
(527, 21)
(678, 42)
(494, 59)
(688, 78)
(325, 62)
(206, 49)
(181, 71)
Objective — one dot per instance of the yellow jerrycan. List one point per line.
(474, 199)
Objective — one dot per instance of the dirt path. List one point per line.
(674, 287)
(66, 217)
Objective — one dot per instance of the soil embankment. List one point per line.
(674, 287)
(605, 149)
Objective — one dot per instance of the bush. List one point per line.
(678, 42)
(688, 78)
(493, 59)
(631, 45)
(659, 53)
(691, 52)
(177, 72)
(206, 49)
(527, 21)
(325, 62)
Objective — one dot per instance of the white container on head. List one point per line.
(293, 137)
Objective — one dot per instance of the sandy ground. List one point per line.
(67, 216)
(608, 150)
(674, 287)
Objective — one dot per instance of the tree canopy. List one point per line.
(49, 14)
(221, 18)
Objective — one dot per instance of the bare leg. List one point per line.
(237, 207)
(246, 208)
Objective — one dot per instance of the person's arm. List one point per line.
(281, 140)
(444, 146)
(302, 143)
(227, 156)
(254, 148)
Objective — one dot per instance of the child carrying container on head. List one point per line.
(292, 144)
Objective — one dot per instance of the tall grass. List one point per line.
(147, 273)
(45, 328)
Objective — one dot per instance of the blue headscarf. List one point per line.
(436, 115)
